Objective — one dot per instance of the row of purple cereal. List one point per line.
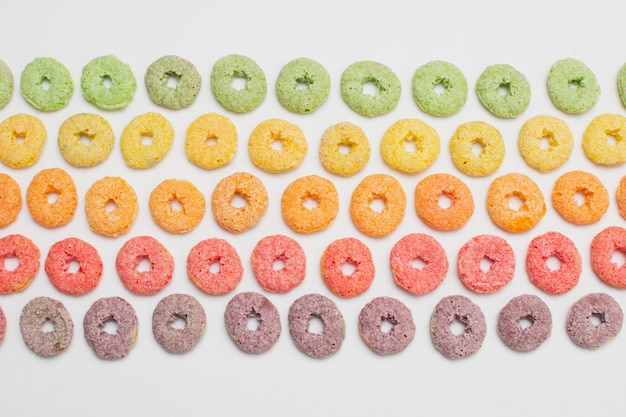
(303, 84)
(417, 261)
(253, 322)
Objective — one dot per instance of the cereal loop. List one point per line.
(58, 266)
(278, 263)
(134, 277)
(211, 141)
(234, 218)
(481, 135)
(51, 197)
(347, 267)
(27, 254)
(214, 266)
(110, 206)
(344, 149)
(146, 140)
(620, 196)
(604, 140)
(410, 145)
(559, 247)
(10, 200)
(603, 247)
(22, 137)
(574, 184)
(368, 220)
(275, 145)
(431, 194)
(310, 204)
(559, 139)
(177, 206)
(93, 129)
(418, 263)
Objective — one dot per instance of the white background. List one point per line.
(216, 378)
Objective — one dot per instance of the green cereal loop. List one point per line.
(187, 86)
(33, 82)
(621, 83)
(384, 79)
(119, 74)
(6, 84)
(444, 74)
(572, 86)
(250, 96)
(503, 90)
(306, 73)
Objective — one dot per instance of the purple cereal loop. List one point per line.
(166, 312)
(583, 331)
(106, 345)
(247, 305)
(386, 309)
(524, 307)
(46, 343)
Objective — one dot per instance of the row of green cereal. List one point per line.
(439, 87)
(408, 145)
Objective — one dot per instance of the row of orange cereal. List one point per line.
(309, 203)
(408, 145)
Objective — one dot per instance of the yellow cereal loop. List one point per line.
(275, 145)
(479, 137)
(22, 137)
(146, 140)
(604, 140)
(85, 139)
(410, 145)
(211, 141)
(349, 137)
(555, 132)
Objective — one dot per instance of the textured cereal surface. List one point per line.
(265, 155)
(221, 253)
(502, 263)
(303, 217)
(599, 136)
(290, 255)
(559, 139)
(187, 85)
(425, 249)
(303, 84)
(106, 345)
(61, 254)
(428, 192)
(110, 206)
(103, 69)
(172, 308)
(410, 145)
(460, 309)
(377, 187)
(582, 331)
(56, 182)
(499, 78)
(386, 82)
(603, 245)
(428, 77)
(247, 306)
(566, 74)
(27, 253)
(553, 281)
(22, 137)
(347, 251)
(6, 84)
(46, 343)
(487, 138)
(60, 86)
(386, 310)
(573, 183)
(93, 128)
(139, 153)
(165, 199)
(242, 100)
(142, 282)
(348, 136)
(531, 309)
(10, 200)
(211, 141)
(233, 218)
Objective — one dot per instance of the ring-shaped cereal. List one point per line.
(559, 139)
(604, 139)
(224, 256)
(344, 136)
(175, 307)
(59, 268)
(426, 251)
(234, 218)
(278, 263)
(27, 255)
(140, 281)
(502, 78)
(275, 145)
(384, 188)
(108, 83)
(211, 141)
(104, 344)
(410, 145)
(231, 67)
(85, 126)
(572, 86)
(430, 192)
(316, 344)
(585, 332)
(46, 84)
(140, 153)
(177, 206)
(6, 84)
(10, 200)
(524, 308)
(501, 194)
(302, 85)
(553, 280)
(453, 83)
(603, 246)
(481, 134)
(243, 308)
(356, 76)
(340, 254)
(34, 315)
(501, 257)
(110, 206)
(22, 137)
(573, 184)
(187, 80)
(386, 310)
(310, 204)
(45, 186)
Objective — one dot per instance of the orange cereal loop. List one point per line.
(620, 195)
(236, 218)
(95, 129)
(572, 186)
(346, 136)
(51, 197)
(366, 218)
(146, 140)
(10, 200)
(410, 146)
(22, 137)
(508, 190)
(310, 204)
(276, 145)
(604, 140)
(164, 202)
(430, 195)
(477, 136)
(110, 206)
(211, 141)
